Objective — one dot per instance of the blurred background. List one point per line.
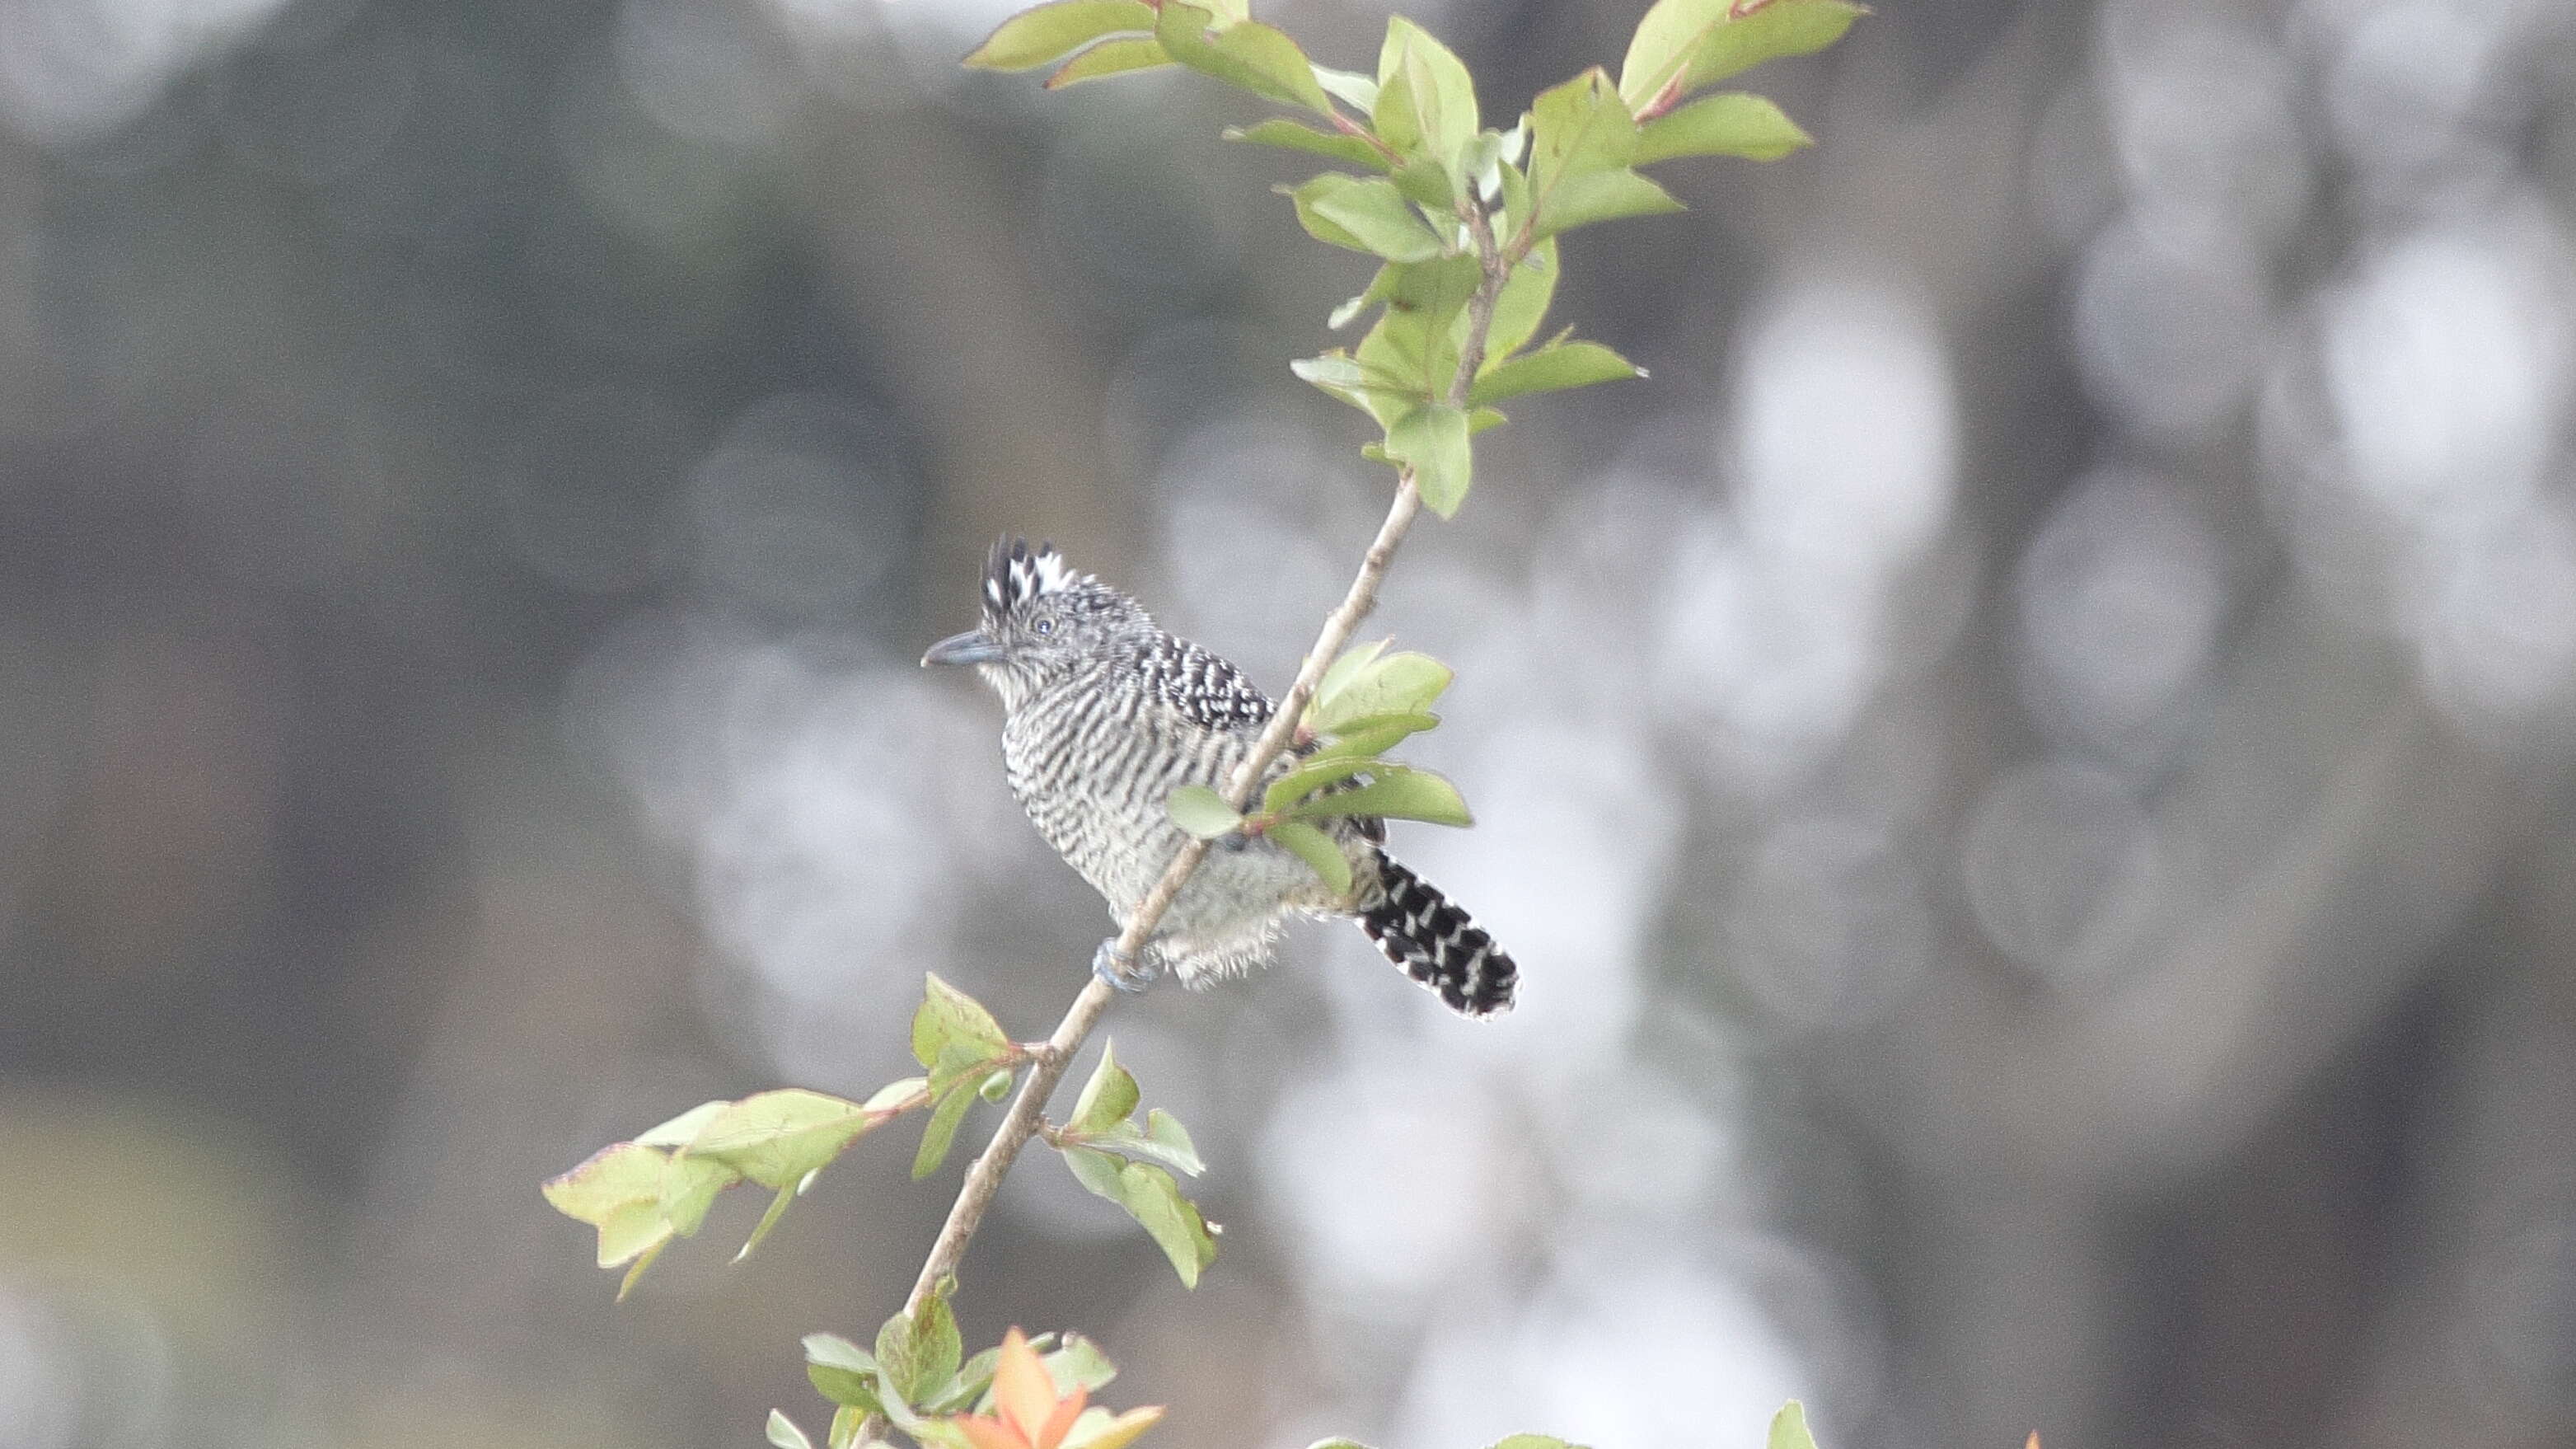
(2028, 769)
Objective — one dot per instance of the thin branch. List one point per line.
(984, 1178)
(1480, 308)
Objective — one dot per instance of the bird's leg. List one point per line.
(1127, 973)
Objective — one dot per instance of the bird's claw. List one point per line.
(1120, 970)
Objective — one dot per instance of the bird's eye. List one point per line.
(1045, 624)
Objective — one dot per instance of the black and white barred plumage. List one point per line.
(1106, 715)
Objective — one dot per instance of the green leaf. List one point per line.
(1514, 220)
(1351, 307)
(1101, 1122)
(973, 1378)
(997, 1086)
(1432, 297)
(1364, 213)
(1397, 791)
(841, 1371)
(1426, 183)
(1397, 359)
(1329, 232)
(1481, 163)
(611, 1179)
(1523, 302)
(1336, 372)
(1394, 116)
(1172, 1148)
(941, 1129)
(838, 1352)
(926, 1432)
(1781, 29)
(1290, 135)
(1374, 734)
(1681, 45)
(1246, 54)
(969, 1387)
(1533, 1441)
(844, 1388)
(1202, 812)
(959, 1062)
(1309, 776)
(1731, 123)
(1108, 1098)
(1120, 56)
(1346, 669)
(1079, 1364)
(1351, 381)
(689, 1187)
(1097, 1428)
(1552, 368)
(1033, 37)
(778, 1139)
(1432, 439)
(894, 1096)
(1095, 1170)
(950, 1015)
(1426, 101)
(761, 1230)
(635, 1272)
(617, 1190)
(846, 1422)
(917, 1353)
(1172, 1143)
(1789, 1428)
(784, 1433)
(1349, 85)
(1153, 1198)
(1577, 128)
(1318, 851)
(1401, 683)
(1603, 196)
(1411, 355)
(1582, 140)
(678, 1131)
(1171, 1220)
(1451, 93)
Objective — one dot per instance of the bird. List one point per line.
(1105, 715)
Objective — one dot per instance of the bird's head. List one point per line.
(1042, 621)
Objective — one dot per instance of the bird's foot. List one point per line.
(1125, 972)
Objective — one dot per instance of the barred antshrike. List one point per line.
(1106, 715)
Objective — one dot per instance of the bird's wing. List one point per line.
(1205, 689)
(1210, 692)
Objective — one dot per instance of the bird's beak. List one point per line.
(971, 647)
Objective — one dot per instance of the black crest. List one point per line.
(1014, 574)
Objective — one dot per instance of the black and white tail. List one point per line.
(1437, 945)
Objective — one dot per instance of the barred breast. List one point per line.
(1093, 761)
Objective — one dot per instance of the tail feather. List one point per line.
(1420, 930)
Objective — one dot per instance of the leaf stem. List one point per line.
(1348, 127)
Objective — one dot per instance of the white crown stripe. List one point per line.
(1018, 576)
(1053, 573)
